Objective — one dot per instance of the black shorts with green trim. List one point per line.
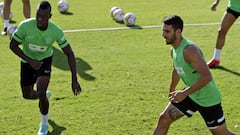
(29, 75)
(212, 115)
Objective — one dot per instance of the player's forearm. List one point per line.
(71, 61)
(72, 65)
(16, 50)
(202, 81)
(174, 82)
(217, 2)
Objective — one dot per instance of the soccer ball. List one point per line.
(112, 10)
(63, 6)
(129, 19)
(118, 15)
(10, 15)
(10, 30)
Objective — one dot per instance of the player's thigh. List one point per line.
(227, 21)
(171, 113)
(27, 90)
(42, 83)
(27, 75)
(27, 79)
(43, 74)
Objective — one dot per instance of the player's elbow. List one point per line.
(12, 46)
(207, 78)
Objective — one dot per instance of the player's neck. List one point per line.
(177, 42)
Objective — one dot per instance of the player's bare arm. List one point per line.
(193, 55)
(76, 88)
(174, 81)
(214, 5)
(14, 46)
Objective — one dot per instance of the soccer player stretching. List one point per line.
(201, 93)
(37, 35)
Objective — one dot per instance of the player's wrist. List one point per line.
(171, 90)
(187, 91)
(74, 78)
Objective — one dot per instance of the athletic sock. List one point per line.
(217, 53)
(44, 119)
(6, 23)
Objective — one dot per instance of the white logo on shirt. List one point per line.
(37, 48)
(48, 40)
(46, 71)
(62, 39)
(180, 71)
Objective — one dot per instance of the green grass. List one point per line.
(124, 74)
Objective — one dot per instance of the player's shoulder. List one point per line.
(54, 25)
(28, 21)
(191, 50)
(191, 47)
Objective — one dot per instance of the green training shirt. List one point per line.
(208, 95)
(37, 44)
(234, 5)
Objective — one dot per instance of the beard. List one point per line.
(170, 40)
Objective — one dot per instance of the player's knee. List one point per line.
(222, 32)
(41, 94)
(163, 117)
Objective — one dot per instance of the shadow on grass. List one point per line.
(130, 26)
(60, 61)
(135, 26)
(57, 130)
(66, 13)
(13, 22)
(120, 22)
(227, 70)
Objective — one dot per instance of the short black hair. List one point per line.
(174, 20)
(45, 5)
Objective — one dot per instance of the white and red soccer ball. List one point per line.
(63, 6)
(112, 10)
(129, 19)
(118, 15)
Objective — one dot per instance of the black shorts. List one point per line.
(29, 75)
(213, 115)
(234, 13)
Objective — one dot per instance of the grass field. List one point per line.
(124, 74)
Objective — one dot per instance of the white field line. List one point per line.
(138, 27)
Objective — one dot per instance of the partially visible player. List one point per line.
(201, 93)
(37, 35)
(7, 10)
(229, 17)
